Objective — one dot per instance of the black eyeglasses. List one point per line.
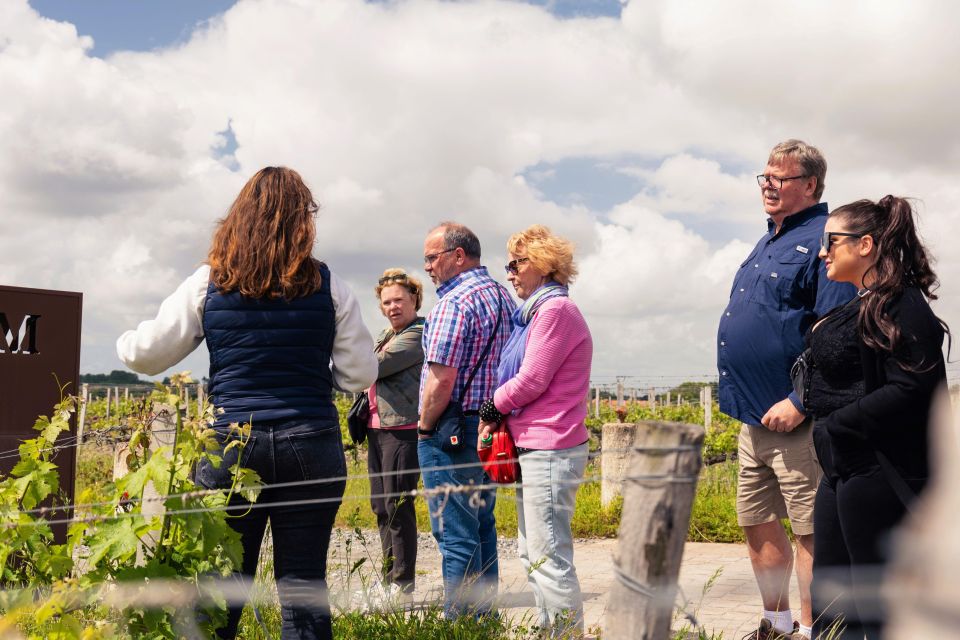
(400, 277)
(511, 267)
(431, 257)
(775, 181)
(826, 241)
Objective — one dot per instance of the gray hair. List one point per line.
(456, 235)
(808, 156)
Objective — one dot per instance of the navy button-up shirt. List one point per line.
(778, 292)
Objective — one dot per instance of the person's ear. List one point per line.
(811, 186)
(867, 245)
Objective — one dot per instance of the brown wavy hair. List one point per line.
(263, 246)
(902, 261)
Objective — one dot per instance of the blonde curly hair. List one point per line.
(548, 253)
(405, 280)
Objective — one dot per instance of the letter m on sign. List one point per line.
(10, 335)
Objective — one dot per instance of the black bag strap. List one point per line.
(874, 378)
(486, 349)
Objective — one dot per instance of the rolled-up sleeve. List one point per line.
(158, 344)
(353, 362)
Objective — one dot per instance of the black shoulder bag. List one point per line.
(452, 423)
(359, 414)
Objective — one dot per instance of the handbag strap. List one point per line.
(895, 480)
(874, 377)
(486, 349)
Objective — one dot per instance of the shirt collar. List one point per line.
(798, 218)
(469, 274)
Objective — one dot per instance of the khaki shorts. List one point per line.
(779, 475)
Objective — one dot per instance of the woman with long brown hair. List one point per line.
(282, 332)
(877, 362)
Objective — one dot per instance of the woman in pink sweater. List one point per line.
(544, 377)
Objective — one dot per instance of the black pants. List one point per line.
(288, 452)
(853, 519)
(393, 452)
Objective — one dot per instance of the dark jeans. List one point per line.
(394, 454)
(853, 518)
(288, 452)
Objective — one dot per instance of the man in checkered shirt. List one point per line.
(454, 337)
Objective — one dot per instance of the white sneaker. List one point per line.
(381, 597)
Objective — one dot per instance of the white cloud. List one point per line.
(403, 114)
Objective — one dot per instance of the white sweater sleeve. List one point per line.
(353, 361)
(158, 344)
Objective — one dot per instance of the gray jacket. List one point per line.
(398, 381)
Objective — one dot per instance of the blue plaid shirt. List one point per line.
(779, 291)
(458, 328)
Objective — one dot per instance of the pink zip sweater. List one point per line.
(548, 394)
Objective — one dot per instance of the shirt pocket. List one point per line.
(778, 281)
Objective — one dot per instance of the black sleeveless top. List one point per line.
(837, 378)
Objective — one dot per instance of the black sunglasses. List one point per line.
(511, 267)
(826, 241)
(400, 277)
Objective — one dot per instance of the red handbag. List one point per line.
(500, 459)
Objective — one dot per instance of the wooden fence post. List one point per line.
(619, 392)
(652, 399)
(596, 402)
(921, 583)
(658, 494)
(615, 448)
(107, 415)
(199, 399)
(84, 395)
(707, 407)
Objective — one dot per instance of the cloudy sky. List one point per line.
(635, 130)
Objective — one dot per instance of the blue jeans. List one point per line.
(287, 452)
(545, 507)
(462, 524)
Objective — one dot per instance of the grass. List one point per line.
(714, 514)
(590, 520)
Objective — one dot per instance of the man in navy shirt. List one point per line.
(778, 292)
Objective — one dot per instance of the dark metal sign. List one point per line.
(39, 346)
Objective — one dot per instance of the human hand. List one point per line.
(485, 430)
(782, 417)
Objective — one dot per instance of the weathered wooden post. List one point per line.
(707, 407)
(658, 492)
(200, 400)
(920, 587)
(161, 435)
(666, 403)
(615, 448)
(107, 415)
(596, 402)
(81, 419)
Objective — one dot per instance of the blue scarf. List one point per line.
(512, 354)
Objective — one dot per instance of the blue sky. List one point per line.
(143, 25)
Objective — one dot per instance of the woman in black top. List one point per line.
(877, 362)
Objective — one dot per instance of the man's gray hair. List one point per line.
(808, 156)
(457, 235)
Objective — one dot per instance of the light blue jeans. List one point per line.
(545, 542)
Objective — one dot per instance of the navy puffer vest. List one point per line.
(270, 358)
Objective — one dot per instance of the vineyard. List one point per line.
(117, 535)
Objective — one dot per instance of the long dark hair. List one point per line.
(263, 247)
(902, 261)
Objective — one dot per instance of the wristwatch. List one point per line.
(424, 432)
